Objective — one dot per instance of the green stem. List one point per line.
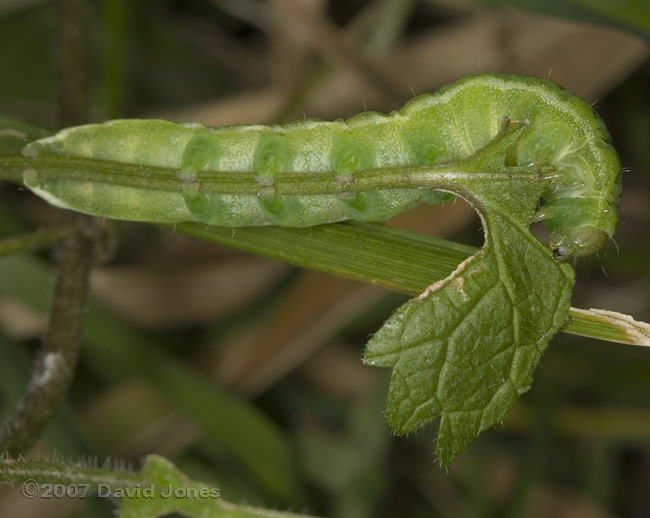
(20, 470)
(441, 176)
(41, 238)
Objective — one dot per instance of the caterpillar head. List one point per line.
(576, 242)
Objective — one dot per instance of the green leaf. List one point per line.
(465, 349)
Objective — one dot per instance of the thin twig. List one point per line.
(57, 360)
(41, 238)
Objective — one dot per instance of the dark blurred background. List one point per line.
(284, 345)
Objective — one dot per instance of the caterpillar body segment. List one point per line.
(580, 205)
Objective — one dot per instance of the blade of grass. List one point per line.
(394, 259)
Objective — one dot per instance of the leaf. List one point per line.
(466, 348)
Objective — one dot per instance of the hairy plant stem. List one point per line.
(56, 362)
(60, 471)
(84, 474)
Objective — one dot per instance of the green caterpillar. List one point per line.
(580, 205)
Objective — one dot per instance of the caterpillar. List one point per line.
(579, 207)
